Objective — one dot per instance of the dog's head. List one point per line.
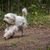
(9, 18)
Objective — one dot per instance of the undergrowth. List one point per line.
(35, 18)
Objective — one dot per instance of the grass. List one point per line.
(38, 19)
(13, 45)
(46, 48)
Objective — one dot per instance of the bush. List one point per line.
(1, 20)
(38, 18)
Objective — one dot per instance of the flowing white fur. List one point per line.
(24, 11)
(16, 21)
(10, 31)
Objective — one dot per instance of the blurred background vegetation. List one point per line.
(38, 11)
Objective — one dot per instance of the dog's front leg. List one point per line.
(21, 29)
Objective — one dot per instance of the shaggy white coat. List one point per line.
(10, 31)
(15, 20)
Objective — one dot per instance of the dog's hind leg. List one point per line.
(21, 29)
(12, 35)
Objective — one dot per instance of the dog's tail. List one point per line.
(24, 12)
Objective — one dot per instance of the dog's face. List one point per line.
(9, 18)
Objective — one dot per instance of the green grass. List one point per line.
(13, 45)
(38, 18)
(46, 48)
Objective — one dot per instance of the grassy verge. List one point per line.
(38, 19)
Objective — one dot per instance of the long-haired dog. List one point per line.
(13, 21)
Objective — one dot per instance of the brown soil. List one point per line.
(33, 39)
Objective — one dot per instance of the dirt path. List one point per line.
(33, 39)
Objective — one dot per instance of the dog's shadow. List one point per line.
(19, 36)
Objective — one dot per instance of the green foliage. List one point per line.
(13, 45)
(1, 15)
(1, 20)
(37, 18)
(48, 48)
(39, 49)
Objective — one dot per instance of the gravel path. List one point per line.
(33, 39)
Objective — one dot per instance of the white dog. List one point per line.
(12, 19)
(10, 31)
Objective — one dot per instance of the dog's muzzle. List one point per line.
(5, 22)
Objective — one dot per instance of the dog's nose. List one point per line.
(4, 21)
